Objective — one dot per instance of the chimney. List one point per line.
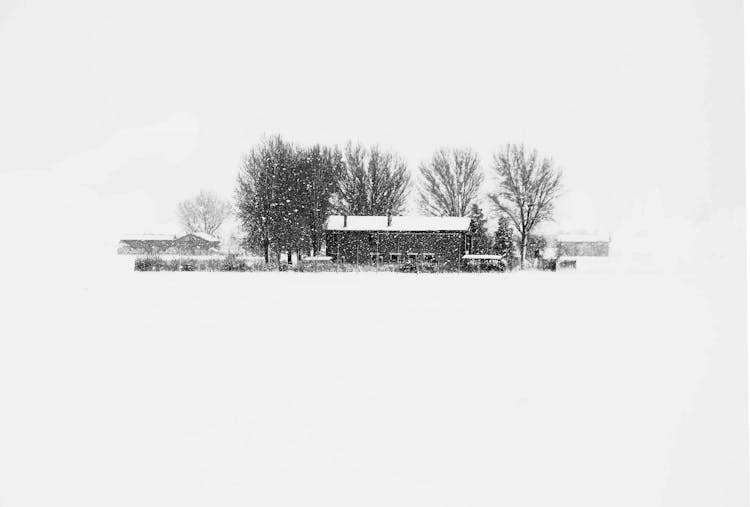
(390, 219)
(344, 220)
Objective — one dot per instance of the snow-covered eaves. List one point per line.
(203, 236)
(318, 258)
(398, 223)
(483, 257)
(582, 238)
(148, 237)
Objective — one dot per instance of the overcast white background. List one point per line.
(144, 103)
(118, 389)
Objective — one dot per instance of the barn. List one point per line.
(582, 245)
(582, 251)
(188, 244)
(379, 239)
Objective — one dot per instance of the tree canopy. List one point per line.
(450, 182)
(526, 188)
(373, 182)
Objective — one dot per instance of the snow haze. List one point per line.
(147, 102)
(622, 386)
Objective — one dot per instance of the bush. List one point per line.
(150, 263)
(233, 262)
(155, 263)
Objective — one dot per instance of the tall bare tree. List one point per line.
(266, 185)
(450, 182)
(203, 213)
(321, 169)
(527, 186)
(284, 195)
(373, 182)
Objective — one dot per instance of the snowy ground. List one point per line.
(372, 389)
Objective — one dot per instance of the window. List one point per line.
(376, 257)
(412, 257)
(429, 257)
(395, 257)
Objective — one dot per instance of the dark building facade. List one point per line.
(397, 239)
(582, 246)
(194, 243)
(188, 244)
(146, 244)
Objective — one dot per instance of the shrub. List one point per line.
(150, 263)
(232, 263)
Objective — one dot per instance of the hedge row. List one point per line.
(234, 263)
(228, 263)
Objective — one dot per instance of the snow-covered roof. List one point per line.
(483, 257)
(203, 236)
(582, 238)
(398, 223)
(148, 237)
(549, 253)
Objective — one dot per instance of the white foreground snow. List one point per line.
(371, 389)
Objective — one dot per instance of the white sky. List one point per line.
(141, 104)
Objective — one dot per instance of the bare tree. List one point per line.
(284, 195)
(527, 186)
(203, 213)
(450, 182)
(264, 194)
(321, 169)
(373, 182)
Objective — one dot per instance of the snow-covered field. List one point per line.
(372, 389)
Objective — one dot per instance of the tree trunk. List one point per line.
(523, 249)
(266, 252)
(315, 242)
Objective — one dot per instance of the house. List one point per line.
(145, 243)
(396, 239)
(195, 243)
(189, 244)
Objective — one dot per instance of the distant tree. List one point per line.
(479, 240)
(372, 182)
(527, 186)
(536, 246)
(205, 212)
(234, 242)
(450, 182)
(503, 244)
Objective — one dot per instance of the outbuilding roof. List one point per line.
(148, 237)
(203, 236)
(582, 238)
(398, 223)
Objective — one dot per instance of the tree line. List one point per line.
(285, 191)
